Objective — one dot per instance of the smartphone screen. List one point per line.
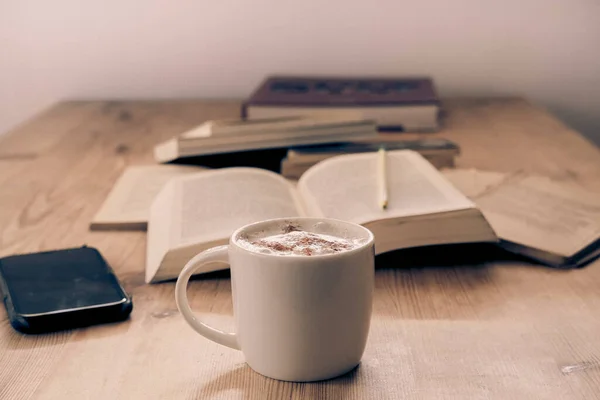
(60, 281)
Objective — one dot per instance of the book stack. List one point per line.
(293, 112)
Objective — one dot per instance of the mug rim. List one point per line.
(369, 243)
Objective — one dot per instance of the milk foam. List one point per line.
(296, 242)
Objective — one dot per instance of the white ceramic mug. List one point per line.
(297, 318)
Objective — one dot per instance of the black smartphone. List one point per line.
(61, 289)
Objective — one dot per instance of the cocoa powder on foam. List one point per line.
(295, 241)
(305, 242)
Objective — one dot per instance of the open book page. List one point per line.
(346, 187)
(212, 205)
(473, 182)
(537, 212)
(129, 201)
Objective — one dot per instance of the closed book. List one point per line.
(231, 136)
(438, 151)
(407, 104)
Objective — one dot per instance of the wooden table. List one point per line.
(499, 330)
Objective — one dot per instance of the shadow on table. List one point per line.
(269, 159)
(440, 282)
(454, 255)
(17, 340)
(258, 387)
(460, 265)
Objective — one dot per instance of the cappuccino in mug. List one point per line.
(302, 296)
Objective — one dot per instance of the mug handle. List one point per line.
(216, 254)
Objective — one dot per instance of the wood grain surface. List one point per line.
(447, 325)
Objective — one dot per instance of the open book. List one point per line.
(128, 204)
(556, 223)
(199, 211)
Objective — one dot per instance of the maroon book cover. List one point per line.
(343, 92)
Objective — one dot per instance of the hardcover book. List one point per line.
(408, 104)
(439, 152)
(231, 136)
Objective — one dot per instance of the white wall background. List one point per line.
(547, 50)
